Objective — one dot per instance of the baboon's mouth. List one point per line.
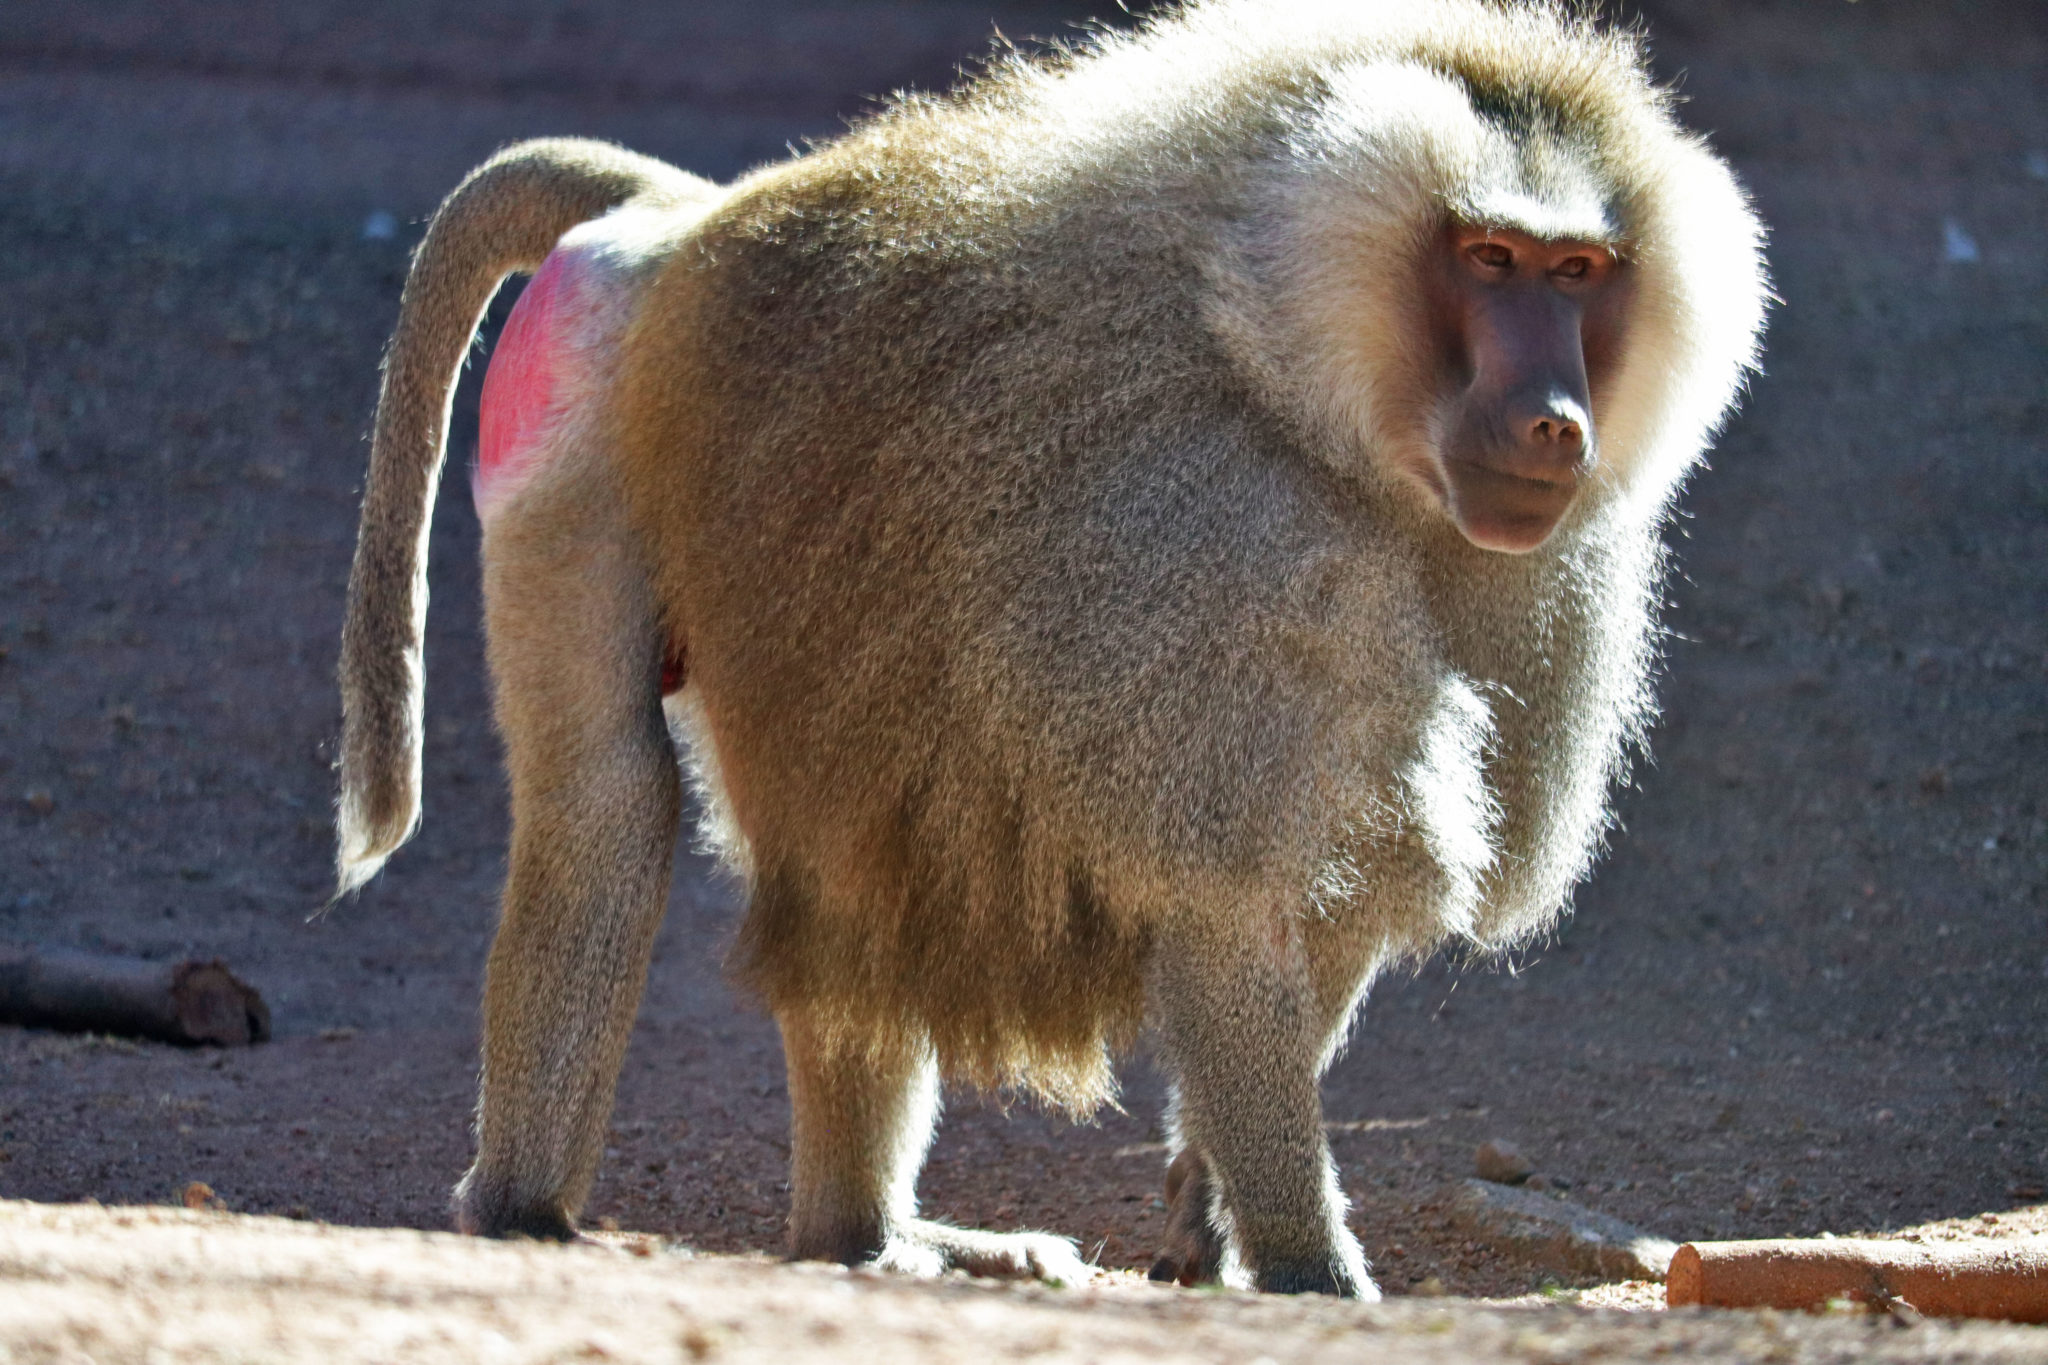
(1511, 513)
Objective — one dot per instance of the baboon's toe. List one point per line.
(1189, 1260)
(1055, 1260)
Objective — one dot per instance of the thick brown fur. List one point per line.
(1030, 480)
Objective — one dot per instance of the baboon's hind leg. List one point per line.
(862, 1120)
(1191, 1249)
(576, 655)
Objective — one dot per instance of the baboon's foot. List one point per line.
(922, 1248)
(1192, 1252)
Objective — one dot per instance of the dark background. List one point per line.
(1807, 991)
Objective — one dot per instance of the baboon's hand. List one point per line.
(1192, 1252)
(922, 1248)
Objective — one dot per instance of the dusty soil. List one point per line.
(1807, 991)
(154, 1284)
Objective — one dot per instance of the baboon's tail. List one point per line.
(506, 216)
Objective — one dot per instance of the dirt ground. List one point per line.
(156, 1284)
(1807, 991)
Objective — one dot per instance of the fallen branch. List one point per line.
(174, 1002)
(2005, 1278)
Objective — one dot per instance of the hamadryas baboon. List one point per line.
(1152, 537)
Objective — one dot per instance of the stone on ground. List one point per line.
(1557, 1234)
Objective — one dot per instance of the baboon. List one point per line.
(1148, 539)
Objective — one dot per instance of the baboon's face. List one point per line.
(1527, 328)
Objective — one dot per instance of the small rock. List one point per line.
(1557, 1234)
(1501, 1162)
(380, 226)
(40, 801)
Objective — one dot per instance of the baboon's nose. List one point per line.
(1550, 437)
(1554, 431)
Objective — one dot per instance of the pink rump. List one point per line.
(519, 385)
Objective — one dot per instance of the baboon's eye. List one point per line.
(1491, 256)
(1573, 268)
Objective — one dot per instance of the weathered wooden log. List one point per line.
(1988, 1278)
(187, 1002)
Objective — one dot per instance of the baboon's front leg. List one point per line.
(1244, 1031)
(575, 654)
(1343, 955)
(862, 1119)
